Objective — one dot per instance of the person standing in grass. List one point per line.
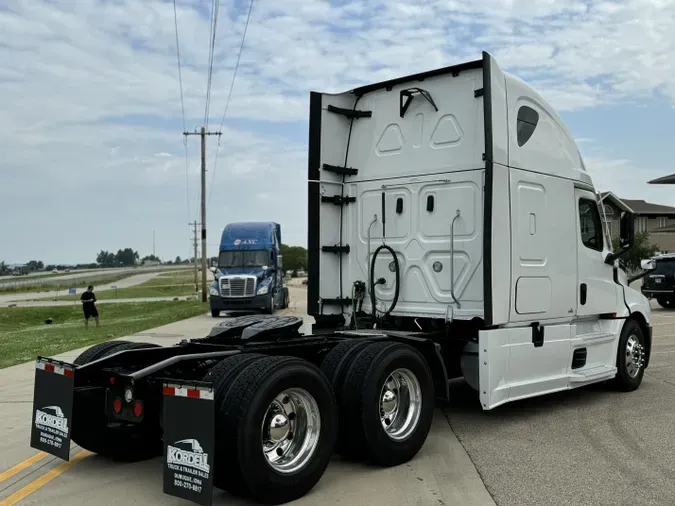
(88, 299)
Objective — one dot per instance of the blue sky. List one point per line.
(93, 156)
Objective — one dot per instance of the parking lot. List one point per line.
(585, 447)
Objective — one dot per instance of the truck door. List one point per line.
(596, 291)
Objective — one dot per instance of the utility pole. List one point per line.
(153, 243)
(203, 133)
(194, 230)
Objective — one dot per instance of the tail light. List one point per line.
(138, 409)
(117, 405)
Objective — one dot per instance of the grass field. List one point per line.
(25, 336)
(178, 284)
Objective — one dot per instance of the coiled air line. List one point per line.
(381, 281)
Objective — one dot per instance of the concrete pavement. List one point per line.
(441, 474)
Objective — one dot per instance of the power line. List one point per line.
(215, 7)
(229, 95)
(182, 109)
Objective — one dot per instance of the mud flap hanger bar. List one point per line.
(409, 94)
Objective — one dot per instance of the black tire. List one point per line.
(665, 302)
(362, 429)
(97, 351)
(624, 381)
(89, 424)
(335, 366)
(269, 307)
(223, 375)
(241, 417)
(215, 313)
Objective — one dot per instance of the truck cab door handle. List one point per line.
(582, 293)
(537, 334)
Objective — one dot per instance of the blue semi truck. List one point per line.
(249, 275)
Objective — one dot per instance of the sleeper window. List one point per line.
(590, 224)
(526, 124)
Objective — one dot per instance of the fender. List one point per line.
(636, 306)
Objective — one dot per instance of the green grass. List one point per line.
(25, 336)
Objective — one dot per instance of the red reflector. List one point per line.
(169, 391)
(138, 408)
(193, 393)
(117, 405)
(49, 367)
(112, 380)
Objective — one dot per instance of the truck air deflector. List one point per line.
(350, 113)
(406, 97)
(488, 192)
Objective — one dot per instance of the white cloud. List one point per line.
(92, 112)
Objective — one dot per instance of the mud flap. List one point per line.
(52, 407)
(189, 441)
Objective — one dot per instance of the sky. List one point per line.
(93, 155)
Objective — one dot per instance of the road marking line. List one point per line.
(5, 475)
(44, 479)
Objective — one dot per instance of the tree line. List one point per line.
(294, 258)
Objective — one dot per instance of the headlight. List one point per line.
(213, 291)
(263, 290)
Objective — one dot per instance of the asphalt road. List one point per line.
(33, 278)
(586, 447)
(132, 280)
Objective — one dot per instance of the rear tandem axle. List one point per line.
(253, 408)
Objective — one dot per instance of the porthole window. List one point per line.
(527, 123)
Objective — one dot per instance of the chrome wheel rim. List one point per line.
(290, 430)
(400, 404)
(635, 356)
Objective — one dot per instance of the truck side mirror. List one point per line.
(648, 265)
(626, 237)
(627, 230)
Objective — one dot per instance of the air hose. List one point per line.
(380, 281)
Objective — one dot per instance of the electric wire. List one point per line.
(229, 96)
(182, 110)
(215, 7)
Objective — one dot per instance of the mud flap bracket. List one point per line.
(53, 407)
(189, 440)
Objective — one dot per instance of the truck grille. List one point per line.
(237, 287)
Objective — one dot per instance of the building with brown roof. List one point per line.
(656, 219)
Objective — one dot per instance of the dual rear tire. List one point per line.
(280, 419)
(276, 426)
(386, 399)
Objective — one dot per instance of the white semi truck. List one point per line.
(453, 232)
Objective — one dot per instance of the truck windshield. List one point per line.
(243, 258)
